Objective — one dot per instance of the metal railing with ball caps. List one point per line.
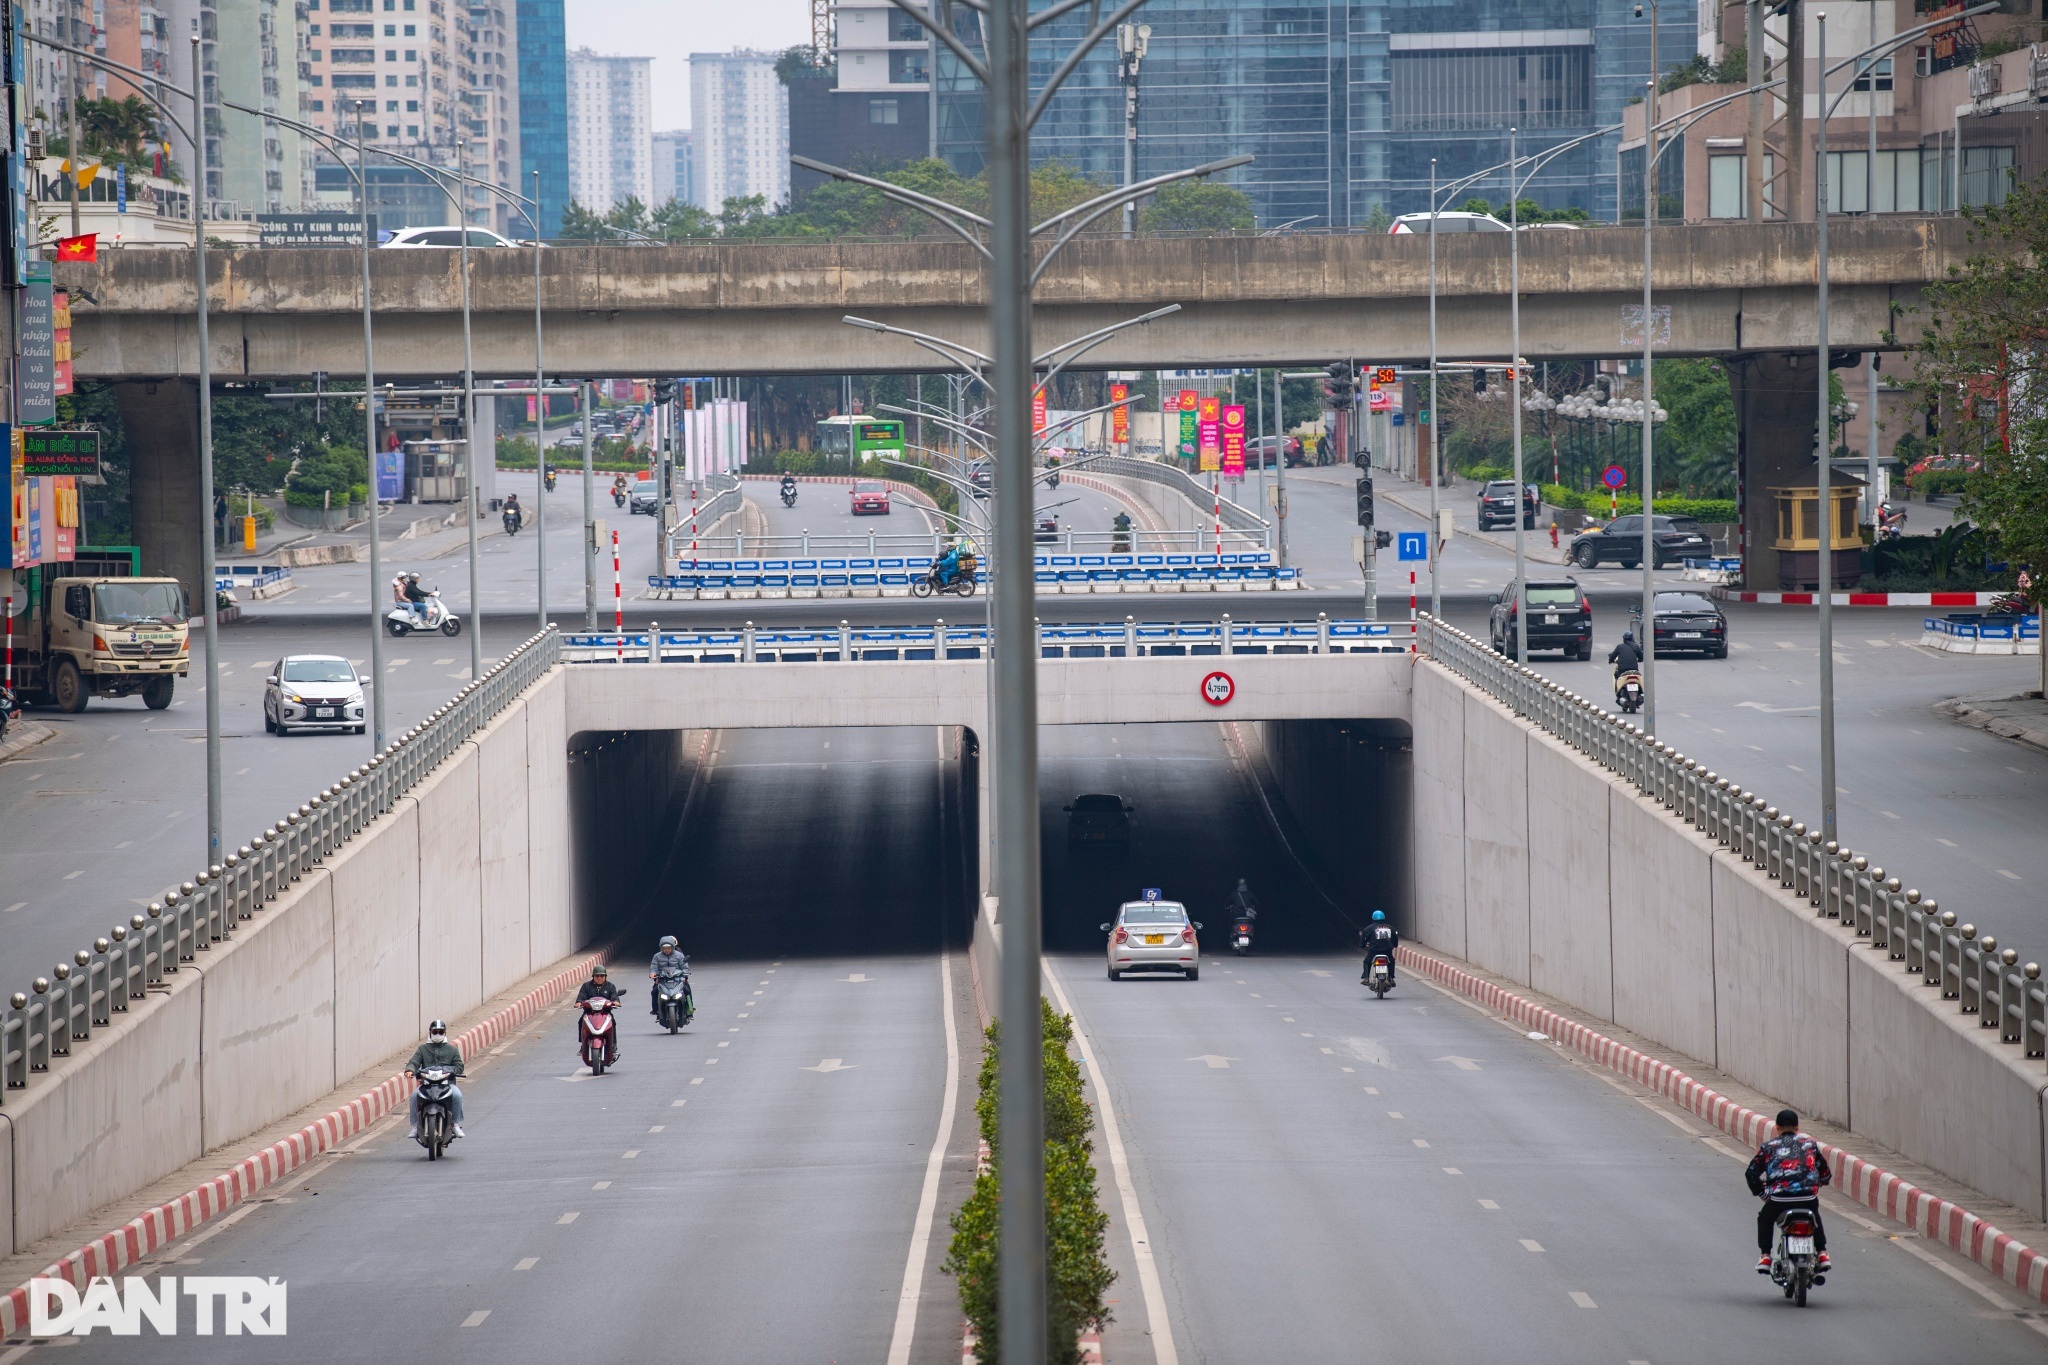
(1838, 883)
(42, 1023)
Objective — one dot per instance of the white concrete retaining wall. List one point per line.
(1537, 865)
(461, 890)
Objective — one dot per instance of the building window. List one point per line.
(316, 54)
(314, 30)
(391, 81)
(411, 30)
(882, 111)
(1728, 186)
(390, 106)
(1896, 186)
(390, 30)
(319, 106)
(907, 67)
(412, 106)
(1848, 182)
(392, 130)
(412, 130)
(904, 28)
(412, 54)
(1883, 74)
(1987, 176)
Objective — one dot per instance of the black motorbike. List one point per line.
(10, 707)
(512, 520)
(1795, 1264)
(437, 1110)
(618, 497)
(1241, 931)
(789, 495)
(674, 1005)
(549, 480)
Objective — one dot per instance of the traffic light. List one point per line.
(1339, 389)
(1365, 501)
(664, 390)
(1382, 540)
(1479, 380)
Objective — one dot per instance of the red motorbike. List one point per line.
(597, 1035)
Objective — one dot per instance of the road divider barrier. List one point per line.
(1982, 634)
(1863, 599)
(893, 576)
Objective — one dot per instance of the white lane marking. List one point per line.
(677, 1104)
(629, 1155)
(1422, 1142)
(565, 1218)
(1583, 1299)
(14, 907)
(1316, 971)
(857, 976)
(600, 1185)
(2011, 876)
(476, 1319)
(81, 872)
(1393, 1113)
(1371, 1089)
(1529, 1245)
(928, 1195)
(1945, 843)
(1462, 1063)
(1331, 1052)
(657, 1128)
(1489, 1204)
(527, 1263)
(1345, 1069)
(1214, 1062)
(825, 1066)
(694, 1080)
(1156, 1320)
(726, 1043)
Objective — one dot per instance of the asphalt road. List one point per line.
(743, 1191)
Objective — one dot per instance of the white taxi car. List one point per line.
(1153, 936)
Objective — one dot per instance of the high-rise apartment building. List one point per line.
(491, 48)
(1347, 104)
(739, 123)
(544, 108)
(672, 167)
(611, 129)
(872, 105)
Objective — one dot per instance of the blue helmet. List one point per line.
(1378, 916)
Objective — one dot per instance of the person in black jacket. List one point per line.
(1788, 1172)
(600, 983)
(1377, 938)
(1627, 657)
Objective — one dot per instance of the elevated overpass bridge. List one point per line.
(774, 307)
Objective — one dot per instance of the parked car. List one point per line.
(1258, 452)
(643, 499)
(1497, 505)
(870, 497)
(312, 692)
(1560, 617)
(1621, 540)
(1447, 220)
(1686, 622)
(450, 236)
(1153, 936)
(1099, 819)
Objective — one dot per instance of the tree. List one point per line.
(1198, 206)
(676, 221)
(579, 224)
(1696, 443)
(1982, 373)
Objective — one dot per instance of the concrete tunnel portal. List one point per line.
(808, 842)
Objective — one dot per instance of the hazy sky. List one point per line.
(670, 30)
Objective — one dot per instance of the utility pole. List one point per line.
(1792, 206)
(1131, 42)
(1753, 161)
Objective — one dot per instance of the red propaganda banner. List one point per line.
(1209, 432)
(1038, 410)
(1120, 415)
(60, 318)
(1189, 400)
(1233, 442)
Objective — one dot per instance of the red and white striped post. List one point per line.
(693, 525)
(1216, 488)
(1411, 611)
(618, 599)
(9, 679)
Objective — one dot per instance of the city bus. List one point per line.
(861, 437)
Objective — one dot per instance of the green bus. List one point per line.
(856, 438)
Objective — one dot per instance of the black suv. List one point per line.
(1560, 617)
(1621, 540)
(1497, 504)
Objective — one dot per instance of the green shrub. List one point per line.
(1596, 502)
(324, 472)
(1487, 473)
(1930, 483)
(1075, 1224)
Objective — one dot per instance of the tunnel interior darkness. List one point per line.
(797, 843)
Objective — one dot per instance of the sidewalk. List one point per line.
(23, 735)
(2023, 718)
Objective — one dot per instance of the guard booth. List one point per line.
(434, 471)
(1798, 538)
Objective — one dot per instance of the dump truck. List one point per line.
(95, 627)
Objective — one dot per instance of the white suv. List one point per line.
(450, 236)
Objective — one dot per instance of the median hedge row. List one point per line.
(1596, 502)
(1077, 1268)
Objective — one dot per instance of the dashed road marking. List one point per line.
(1451, 1170)
(677, 1104)
(565, 1218)
(1528, 1244)
(629, 1154)
(1422, 1142)
(1489, 1204)
(476, 1319)
(1371, 1089)
(694, 1080)
(600, 1185)
(2010, 876)
(527, 1263)
(1393, 1113)
(657, 1128)
(1583, 1299)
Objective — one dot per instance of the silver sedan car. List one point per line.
(1153, 936)
(312, 692)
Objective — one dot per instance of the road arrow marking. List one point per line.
(1774, 710)
(857, 976)
(1214, 1062)
(829, 1064)
(1462, 1063)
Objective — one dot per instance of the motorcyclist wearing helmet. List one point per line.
(437, 1051)
(1627, 657)
(600, 983)
(1379, 939)
(668, 964)
(1242, 906)
(415, 597)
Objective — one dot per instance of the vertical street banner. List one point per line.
(60, 318)
(35, 372)
(1233, 442)
(1188, 400)
(1120, 415)
(1209, 432)
(1037, 411)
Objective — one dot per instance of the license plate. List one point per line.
(1155, 938)
(1799, 1246)
(1550, 618)
(325, 712)
(1688, 635)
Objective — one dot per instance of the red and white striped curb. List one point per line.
(1869, 1185)
(1148, 520)
(1863, 599)
(158, 1227)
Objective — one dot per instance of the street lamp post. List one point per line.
(540, 425)
(590, 526)
(1649, 640)
(1436, 549)
(476, 603)
(208, 563)
(1131, 42)
(1515, 396)
(1824, 588)
(377, 711)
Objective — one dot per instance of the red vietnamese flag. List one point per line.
(85, 248)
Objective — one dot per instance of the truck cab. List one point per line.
(96, 631)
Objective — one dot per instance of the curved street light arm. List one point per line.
(1115, 199)
(1545, 157)
(1879, 50)
(1044, 438)
(945, 35)
(978, 438)
(1102, 333)
(1058, 9)
(935, 209)
(86, 54)
(1081, 50)
(949, 350)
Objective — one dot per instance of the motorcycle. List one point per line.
(1241, 934)
(1628, 692)
(512, 520)
(1381, 977)
(596, 1036)
(401, 621)
(789, 495)
(548, 480)
(1795, 1262)
(1891, 522)
(673, 1002)
(437, 1110)
(618, 497)
(961, 584)
(10, 707)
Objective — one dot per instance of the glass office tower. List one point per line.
(1344, 102)
(544, 108)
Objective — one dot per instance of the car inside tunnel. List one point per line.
(793, 843)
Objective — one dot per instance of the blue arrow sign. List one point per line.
(1412, 544)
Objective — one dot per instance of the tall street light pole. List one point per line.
(207, 562)
(1131, 41)
(1649, 552)
(1515, 395)
(1436, 549)
(540, 425)
(590, 526)
(476, 601)
(1824, 593)
(377, 711)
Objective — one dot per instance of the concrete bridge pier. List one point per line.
(161, 420)
(1774, 417)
